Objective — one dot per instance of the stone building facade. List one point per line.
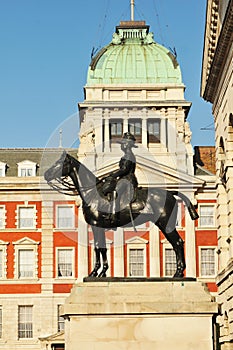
(216, 87)
(133, 84)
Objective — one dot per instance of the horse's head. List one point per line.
(61, 168)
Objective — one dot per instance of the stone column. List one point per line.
(106, 131)
(172, 130)
(222, 226)
(163, 132)
(125, 120)
(119, 252)
(154, 252)
(144, 127)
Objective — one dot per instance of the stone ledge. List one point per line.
(139, 297)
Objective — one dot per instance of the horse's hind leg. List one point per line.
(178, 245)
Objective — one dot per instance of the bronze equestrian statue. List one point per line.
(117, 201)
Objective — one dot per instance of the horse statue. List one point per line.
(149, 204)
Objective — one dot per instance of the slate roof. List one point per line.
(43, 157)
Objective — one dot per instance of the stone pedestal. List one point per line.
(139, 314)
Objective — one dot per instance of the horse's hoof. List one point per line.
(103, 272)
(179, 274)
(93, 273)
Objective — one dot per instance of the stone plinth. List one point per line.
(139, 314)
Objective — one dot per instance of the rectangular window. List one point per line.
(65, 217)
(206, 213)
(135, 128)
(208, 262)
(0, 321)
(115, 129)
(25, 325)
(136, 262)
(26, 217)
(153, 130)
(169, 262)
(2, 217)
(26, 261)
(65, 262)
(60, 320)
(26, 172)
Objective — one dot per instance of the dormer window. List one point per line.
(2, 169)
(26, 168)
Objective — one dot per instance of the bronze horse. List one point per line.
(149, 204)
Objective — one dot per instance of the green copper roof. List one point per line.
(133, 57)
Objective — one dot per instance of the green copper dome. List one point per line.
(133, 57)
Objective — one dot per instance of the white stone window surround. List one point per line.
(2, 217)
(33, 219)
(137, 242)
(26, 168)
(109, 243)
(3, 256)
(202, 225)
(30, 245)
(2, 169)
(214, 249)
(71, 250)
(61, 224)
(167, 245)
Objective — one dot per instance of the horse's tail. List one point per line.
(192, 211)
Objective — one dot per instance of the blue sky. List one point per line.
(46, 49)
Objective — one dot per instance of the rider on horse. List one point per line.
(123, 180)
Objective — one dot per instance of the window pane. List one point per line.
(65, 217)
(65, 262)
(26, 217)
(206, 215)
(136, 262)
(208, 262)
(61, 320)
(135, 128)
(153, 127)
(170, 262)
(26, 263)
(115, 129)
(26, 172)
(25, 322)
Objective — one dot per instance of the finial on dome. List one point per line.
(132, 10)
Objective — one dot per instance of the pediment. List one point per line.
(27, 162)
(59, 336)
(26, 241)
(136, 240)
(3, 242)
(154, 174)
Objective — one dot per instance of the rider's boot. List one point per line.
(94, 272)
(105, 262)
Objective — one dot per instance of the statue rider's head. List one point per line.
(127, 141)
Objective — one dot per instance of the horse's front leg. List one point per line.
(100, 250)
(178, 246)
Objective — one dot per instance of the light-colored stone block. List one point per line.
(139, 315)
